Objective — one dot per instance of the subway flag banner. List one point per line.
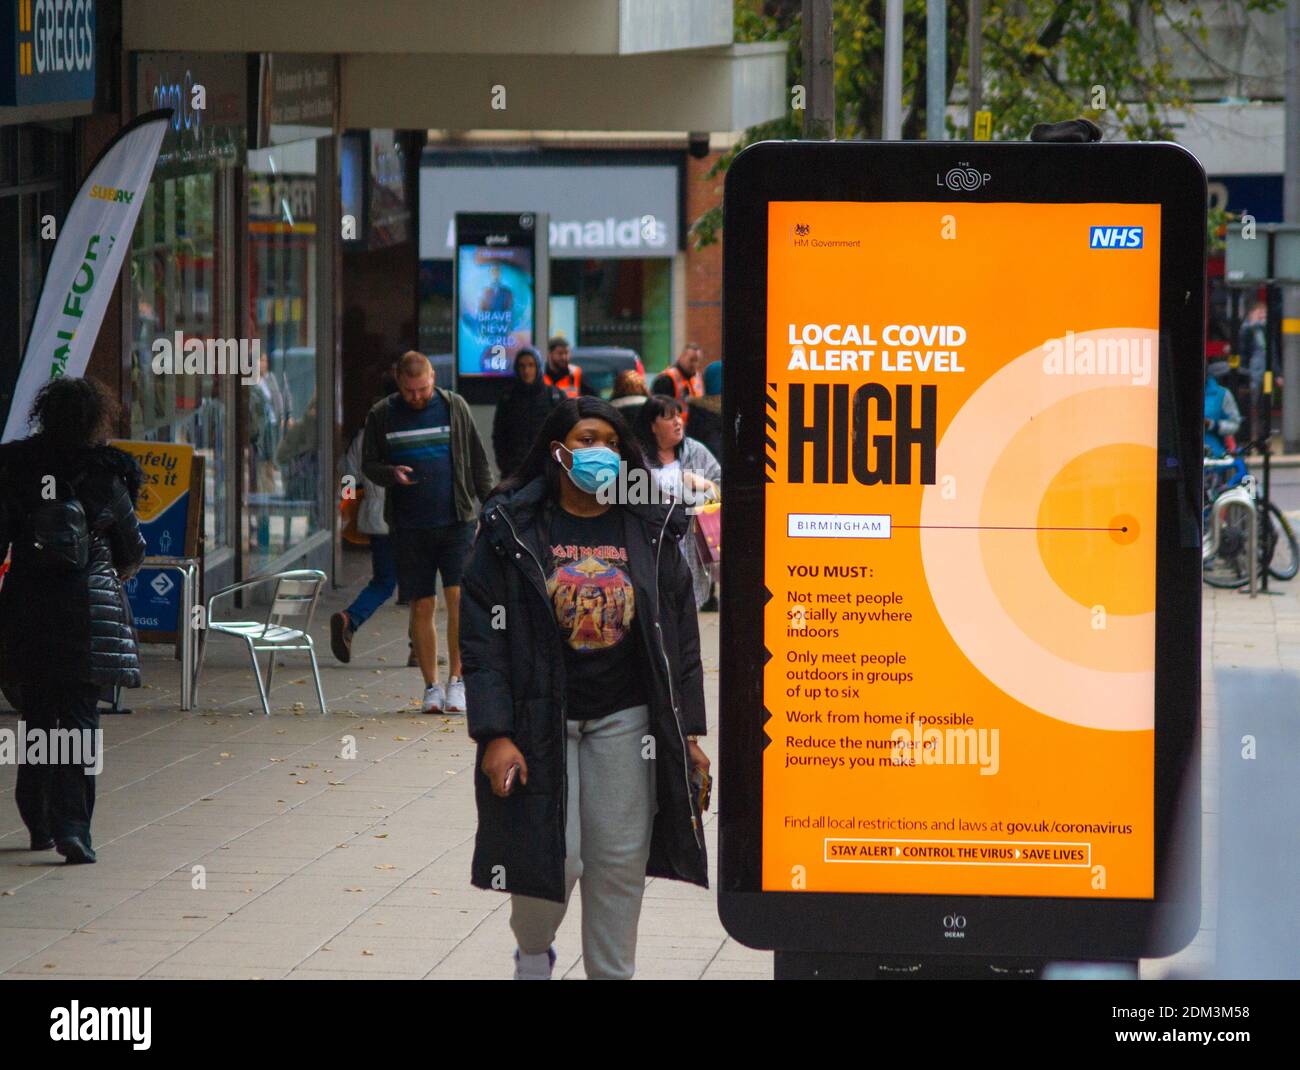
(163, 510)
(92, 242)
(960, 530)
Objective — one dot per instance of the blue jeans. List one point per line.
(383, 581)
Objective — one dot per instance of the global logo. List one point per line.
(963, 178)
(1114, 237)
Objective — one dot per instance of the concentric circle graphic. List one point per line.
(1042, 563)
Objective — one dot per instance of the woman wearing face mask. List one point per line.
(586, 696)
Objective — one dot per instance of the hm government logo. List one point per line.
(802, 230)
(963, 178)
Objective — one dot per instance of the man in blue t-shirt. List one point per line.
(422, 444)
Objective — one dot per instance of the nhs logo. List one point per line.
(1114, 237)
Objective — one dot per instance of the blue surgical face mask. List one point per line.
(593, 467)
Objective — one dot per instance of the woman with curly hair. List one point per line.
(67, 511)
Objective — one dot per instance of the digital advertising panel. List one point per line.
(971, 438)
(497, 274)
(494, 313)
(961, 550)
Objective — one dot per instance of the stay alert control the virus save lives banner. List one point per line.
(960, 548)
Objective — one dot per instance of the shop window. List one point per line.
(176, 292)
(626, 303)
(284, 479)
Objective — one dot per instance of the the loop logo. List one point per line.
(1114, 237)
(963, 177)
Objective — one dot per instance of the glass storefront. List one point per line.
(614, 229)
(182, 278)
(283, 480)
(227, 249)
(177, 288)
(624, 303)
(33, 191)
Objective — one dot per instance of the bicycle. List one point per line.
(1230, 496)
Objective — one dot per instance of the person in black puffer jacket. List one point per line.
(67, 632)
(585, 692)
(522, 410)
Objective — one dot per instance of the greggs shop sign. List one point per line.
(47, 51)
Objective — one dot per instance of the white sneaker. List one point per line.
(534, 967)
(455, 695)
(434, 699)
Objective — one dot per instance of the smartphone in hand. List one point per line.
(509, 783)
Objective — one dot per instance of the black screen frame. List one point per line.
(1145, 173)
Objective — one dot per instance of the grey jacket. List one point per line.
(695, 457)
(472, 474)
(370, 515)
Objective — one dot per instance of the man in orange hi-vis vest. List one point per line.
(560, 373)
(682, 381)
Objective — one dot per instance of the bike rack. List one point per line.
(1242, 494)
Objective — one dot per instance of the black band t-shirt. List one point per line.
(595, 607)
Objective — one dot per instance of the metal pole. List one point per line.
(818, 44)
(891, 126)
(1291, 214)
(975, 48)
(1273, 295)
(1253, 528)
(936, 68)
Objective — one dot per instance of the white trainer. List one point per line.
(534, 967)
(455, 695)
(434, 699)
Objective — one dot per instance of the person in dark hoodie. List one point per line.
(67, 510)
(522, 410)
(581, 654)
(706, 411)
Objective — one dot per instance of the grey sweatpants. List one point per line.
(610, 814)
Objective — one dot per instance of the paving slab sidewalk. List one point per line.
(233, 845)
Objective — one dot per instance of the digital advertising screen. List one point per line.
(494, 317)
(960, 708)
(960, 531)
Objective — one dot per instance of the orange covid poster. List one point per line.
(960, 534)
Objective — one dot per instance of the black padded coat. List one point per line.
(515, 686)
(70, 626)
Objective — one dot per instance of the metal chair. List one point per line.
(295, 596)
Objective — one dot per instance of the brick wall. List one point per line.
(703, 266)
